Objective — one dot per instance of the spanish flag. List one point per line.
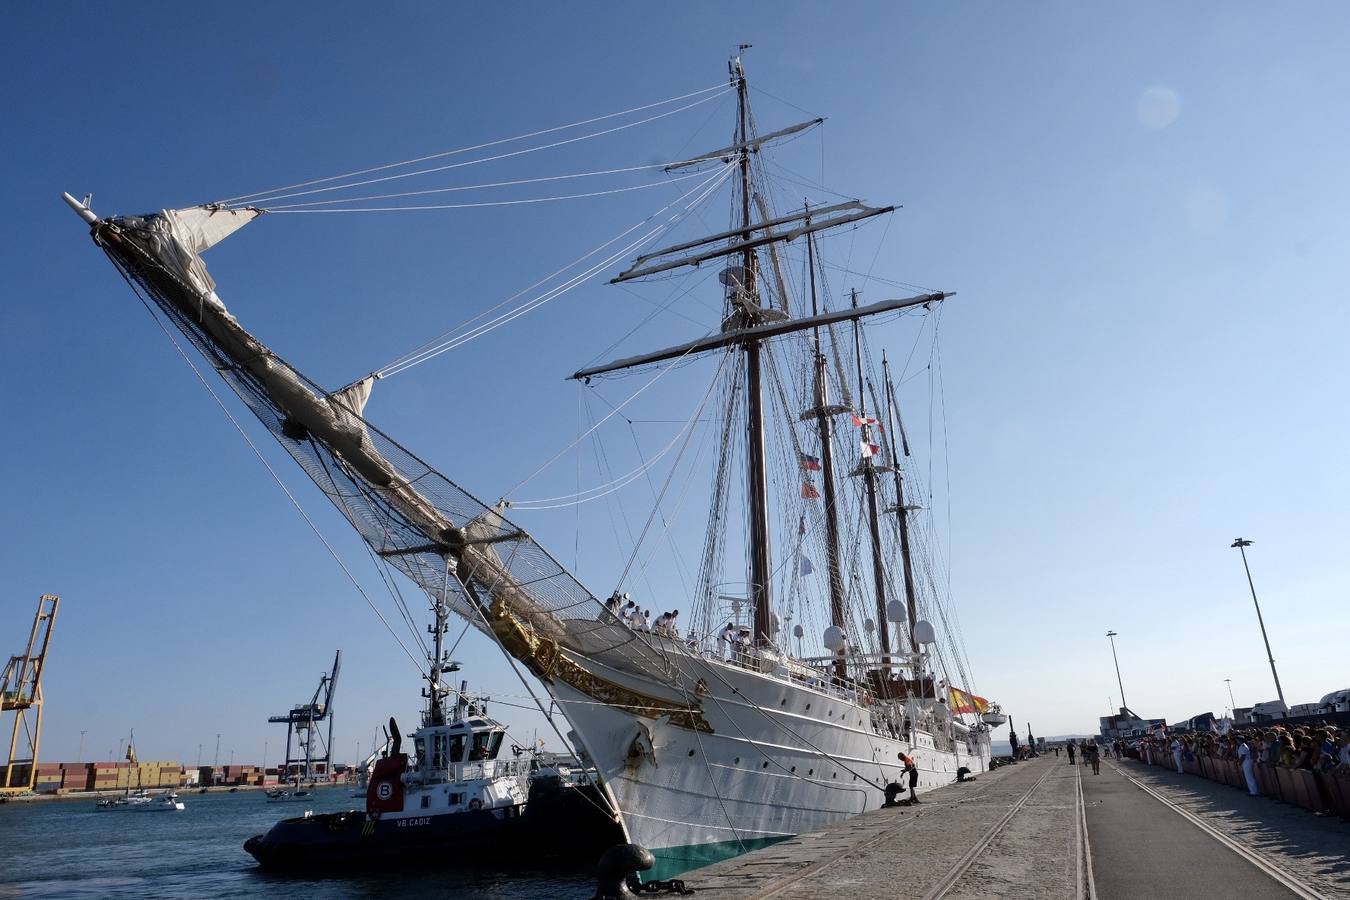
(958, 701)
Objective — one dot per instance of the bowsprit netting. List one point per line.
(452, 545)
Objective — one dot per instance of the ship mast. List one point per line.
(869, 474)
(822, 413)
(755, 475)
(435, 693)
(901, 510)
(749, 325)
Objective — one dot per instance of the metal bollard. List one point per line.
(616, 865)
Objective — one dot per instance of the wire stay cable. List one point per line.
(721, 88)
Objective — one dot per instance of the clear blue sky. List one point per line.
(1143, 212)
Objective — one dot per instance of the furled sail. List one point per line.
(451, 544)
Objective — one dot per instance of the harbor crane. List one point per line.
(301, 730)
(21, 694)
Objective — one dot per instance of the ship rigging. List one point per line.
(706, 746)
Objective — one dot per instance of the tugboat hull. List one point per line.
(354, 839)
(557, 824)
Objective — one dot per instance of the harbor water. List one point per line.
(67, 848)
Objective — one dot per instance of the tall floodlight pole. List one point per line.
(1242, 544)
(1232, 704)
(81, 753)
(1111, 635)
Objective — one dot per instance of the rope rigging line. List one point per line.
(721, 88)
(296, 209)
(275, 477)
(455, 337)
(470, 187)
(698, 413)
(613, 412)
(595, 493)
(472, 162)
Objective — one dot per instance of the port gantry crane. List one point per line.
(21, 694)
(300, 730)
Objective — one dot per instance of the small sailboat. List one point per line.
(297, 794)
(141, 800)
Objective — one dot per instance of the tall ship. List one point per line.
(787, 698)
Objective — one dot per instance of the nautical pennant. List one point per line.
(809, 463)
(870, 450)
(809, 491)
(804, 566)
(860, 421)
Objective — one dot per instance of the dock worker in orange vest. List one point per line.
(912, 769)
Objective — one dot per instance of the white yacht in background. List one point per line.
(143, 802)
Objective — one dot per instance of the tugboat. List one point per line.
(456, 798)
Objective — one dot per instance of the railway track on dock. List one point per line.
(952, 880)
(1261, 861)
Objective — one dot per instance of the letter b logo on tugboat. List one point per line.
(385, 790)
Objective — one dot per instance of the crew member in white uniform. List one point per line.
(1248, 768)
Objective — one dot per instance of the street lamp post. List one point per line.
(1242, 544)
(81, 753)
(1112, 636)
(1232, 704)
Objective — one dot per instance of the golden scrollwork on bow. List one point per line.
(544, 657)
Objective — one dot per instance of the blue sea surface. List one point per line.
(67, 848)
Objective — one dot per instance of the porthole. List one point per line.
(794, 768)
(834, 774)
(691, 752)
(783, 702)
(831, 712)
(808, 707)
(738, 760)
(766, 764)
(810, 771)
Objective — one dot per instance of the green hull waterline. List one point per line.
(673, 861)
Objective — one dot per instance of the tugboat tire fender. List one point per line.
(475, 803)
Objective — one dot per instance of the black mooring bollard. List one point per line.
(615, 867)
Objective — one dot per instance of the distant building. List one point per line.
(1126, 725)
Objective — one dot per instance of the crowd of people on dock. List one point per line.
(1321, 751)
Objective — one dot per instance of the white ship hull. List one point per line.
(782, 758)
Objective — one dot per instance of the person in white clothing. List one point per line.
(1244, 754)
(728, 641)
(1176, 755)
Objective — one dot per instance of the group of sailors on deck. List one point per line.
(639, 619)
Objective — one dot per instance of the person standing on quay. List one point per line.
(912, 770)
(1094, 755)
(1070, 751)
(1176, 755)
(1244, 753)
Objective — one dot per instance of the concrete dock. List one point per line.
(1045, 829)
